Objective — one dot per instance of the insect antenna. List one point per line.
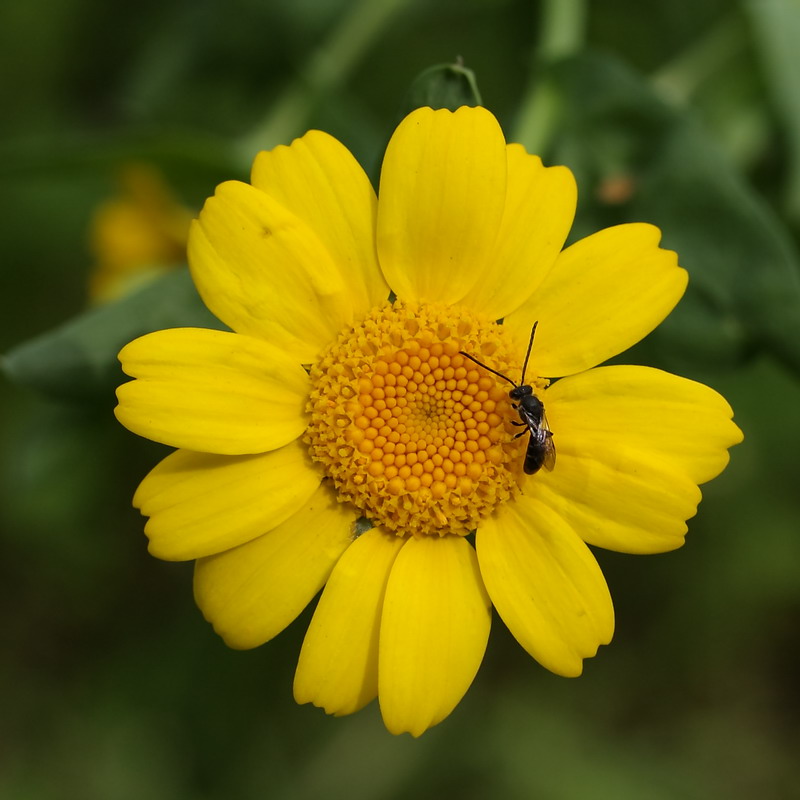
(493, 371)
(528, 354)
(500, 374)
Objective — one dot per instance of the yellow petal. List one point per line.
(632, 443)
(442, 192)
(265, 273)
(545, 584)
(434, 629)
(338, 666)
(619, 502)
(604, 294)
(212, 391)
(319, 181)
(539, 209)
(655, 416)
(252, 592)
(201, 504)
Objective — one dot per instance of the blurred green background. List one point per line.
(679, 112)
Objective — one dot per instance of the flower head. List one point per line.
(137, 235)
(329, 405)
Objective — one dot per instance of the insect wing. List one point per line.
(549, 453)
(549, 446)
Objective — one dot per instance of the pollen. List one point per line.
(416, 436)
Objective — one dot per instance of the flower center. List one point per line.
(415, 435)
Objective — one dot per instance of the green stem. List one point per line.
(562, 25)
(327, 68)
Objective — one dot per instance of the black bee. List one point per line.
(541, 451)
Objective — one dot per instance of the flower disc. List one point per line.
(413, 433)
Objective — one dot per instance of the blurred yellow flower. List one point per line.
(329, 403)
(136, 235)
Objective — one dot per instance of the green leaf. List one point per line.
(740, 258)
(776, 26)
(443, 86)
(78, 360)
(640, 159)
(201, 156)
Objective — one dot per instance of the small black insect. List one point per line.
(541, 451)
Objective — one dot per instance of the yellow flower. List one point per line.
(328, 403)
(137, 235)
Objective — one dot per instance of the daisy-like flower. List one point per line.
(137, 235)
(329, 404)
